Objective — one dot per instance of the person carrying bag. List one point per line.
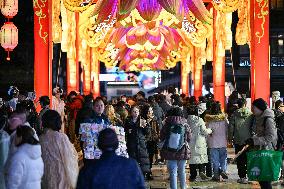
(263, 162)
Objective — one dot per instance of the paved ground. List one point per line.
(160, 180)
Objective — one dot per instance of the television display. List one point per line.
(146, 79)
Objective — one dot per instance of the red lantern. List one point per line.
(9, 37)
(9, 8)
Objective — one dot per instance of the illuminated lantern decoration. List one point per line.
(9, 37)
(9, 8)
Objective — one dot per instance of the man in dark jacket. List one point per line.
(164, 104)
(158, 111)
(110, 171)
(239, 132)
(279, 115)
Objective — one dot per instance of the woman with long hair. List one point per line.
(153, 137)
(58, 154)
(112, 116)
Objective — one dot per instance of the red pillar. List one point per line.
(198, 75)
(184, 81)
(50, 51)
(252, 60)
(42, 54)
(95, 71)
(198, 82)
(260, 50)
(218, 68)
(77, 44)
(87, 72)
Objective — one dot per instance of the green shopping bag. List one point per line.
(264, 165)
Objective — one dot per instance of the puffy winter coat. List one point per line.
(219, 125)
(109, 172)
(198, 144)
(13, 148)
(136, 143)
(240, 125)
(26, 168)
(184, 152)
(265, 134)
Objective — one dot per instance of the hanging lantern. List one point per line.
(9, 37)
(9, 8)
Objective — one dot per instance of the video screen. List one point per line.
(146, 79)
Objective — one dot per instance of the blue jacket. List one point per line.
(111, 172)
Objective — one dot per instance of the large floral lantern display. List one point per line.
(9, 32)
(9, 37)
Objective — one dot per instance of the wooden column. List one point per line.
(198, 75)
(42, 52)
(184, 81)
(77, 44)
(260, 61)
(95, 71)
(218, 66)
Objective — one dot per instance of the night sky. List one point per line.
(19, 71)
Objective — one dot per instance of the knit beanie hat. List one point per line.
(260, 104)
(107, 140)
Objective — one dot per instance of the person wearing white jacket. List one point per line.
(26, 168)
(198, 144)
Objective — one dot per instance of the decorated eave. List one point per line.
(142, 34)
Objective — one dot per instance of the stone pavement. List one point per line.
(161, 179)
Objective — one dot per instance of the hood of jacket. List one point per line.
(176, 120)
(219, 117)
(242, 112)
(33, 151)
(267, 113)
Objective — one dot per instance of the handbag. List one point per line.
(264, 165)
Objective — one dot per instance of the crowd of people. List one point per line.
(40, 150)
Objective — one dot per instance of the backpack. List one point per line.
(175, 139)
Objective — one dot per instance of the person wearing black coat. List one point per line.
(164, 104)
(110, 171)
(136, 129)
